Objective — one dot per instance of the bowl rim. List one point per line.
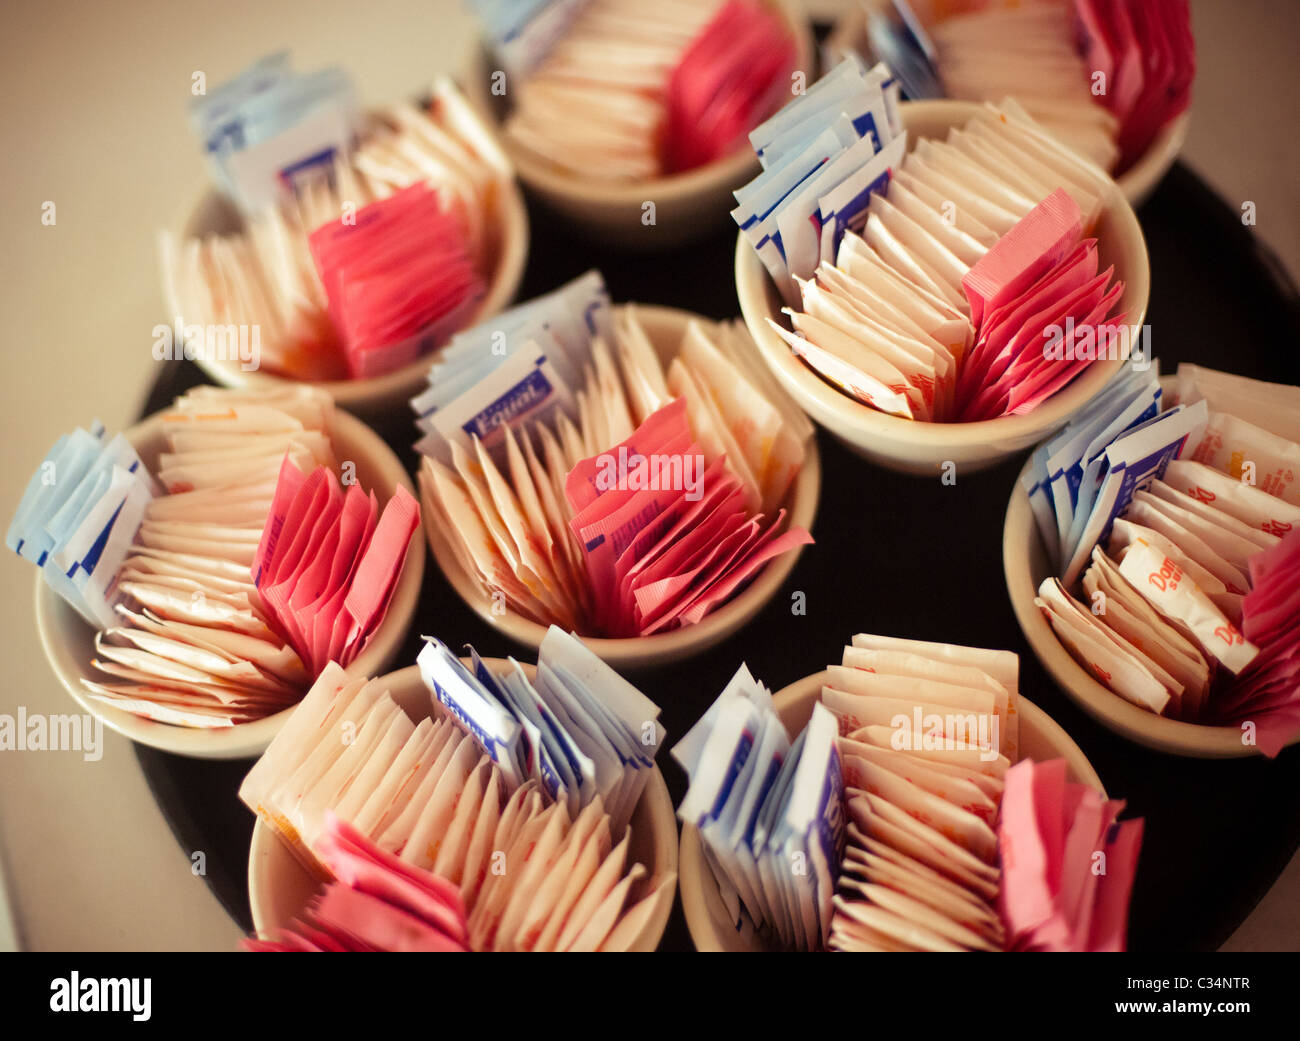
(802, 501)
(655, 796)
(243, 739)
(1173, 736)
(1137, 182)
(692, 883)
(375, 391)
(537, 173)
(826, 404)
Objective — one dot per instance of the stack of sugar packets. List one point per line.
(587, 487)
(513, 797)
(374, 902)
(611, 90)
(770, 813)
(270, 127)
(371, 256)
(162, 564)
(1104, 76)
(954, 284)
(1194, 506)
(906, 827)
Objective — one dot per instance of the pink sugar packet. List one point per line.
(376, 576)
(286, 488)
(377, 902)
(1038, 242)
(357, 862)
(582, 486)
(1052, 835)
(1003, 324)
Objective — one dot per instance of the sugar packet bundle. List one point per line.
(327, 562)
(769, 811)
(1067, 863)
(584, 486)
(942, 854)
(162, 567)
(78, 517)
(926, 733)
(611, 91)
(955, 283)
(1103, 77)
(376, 903)
(398, 279)
(823, 155)
(270, 127)
(1264, 699)
(262, 281)
(1140, 503)
(579, 730)
(438, 795)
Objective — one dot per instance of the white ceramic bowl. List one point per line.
(1137, 182)
(69, 642)
(923, 448)
(664, 326)
(211, 213)
(688, 205)
(1025, 564)
(279, 886)
(1041, 738)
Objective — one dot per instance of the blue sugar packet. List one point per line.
(823, 154)
(78, 518)
(522, 364)
(271, 128)
(522, 32)
(896, 37)
(1129, 463)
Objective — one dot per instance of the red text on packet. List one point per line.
(1167, 577)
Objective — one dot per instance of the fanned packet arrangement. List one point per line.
(954, 283)
(511, 799)
(614, 90)
(1174, 523)
(1103, 76)
(902, 817)
(366, 240)
(580, 483)
(165, 565)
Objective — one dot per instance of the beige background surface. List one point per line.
(94, 121)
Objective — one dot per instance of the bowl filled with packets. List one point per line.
(200, 569)
(1150, 552)
(337, 247)
(483, 805)
(630, 121)
(632, 474)
(944, 290)
(1110, 80)
(908, 799)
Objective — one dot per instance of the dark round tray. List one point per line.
(907, 556)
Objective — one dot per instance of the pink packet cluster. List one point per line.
(328, 562)
(399, 278)
(1042, 312)
(1067, 862)
(1146, 52)
(731, 77)
(1267, 692)
(377, 902)
(664, 537)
